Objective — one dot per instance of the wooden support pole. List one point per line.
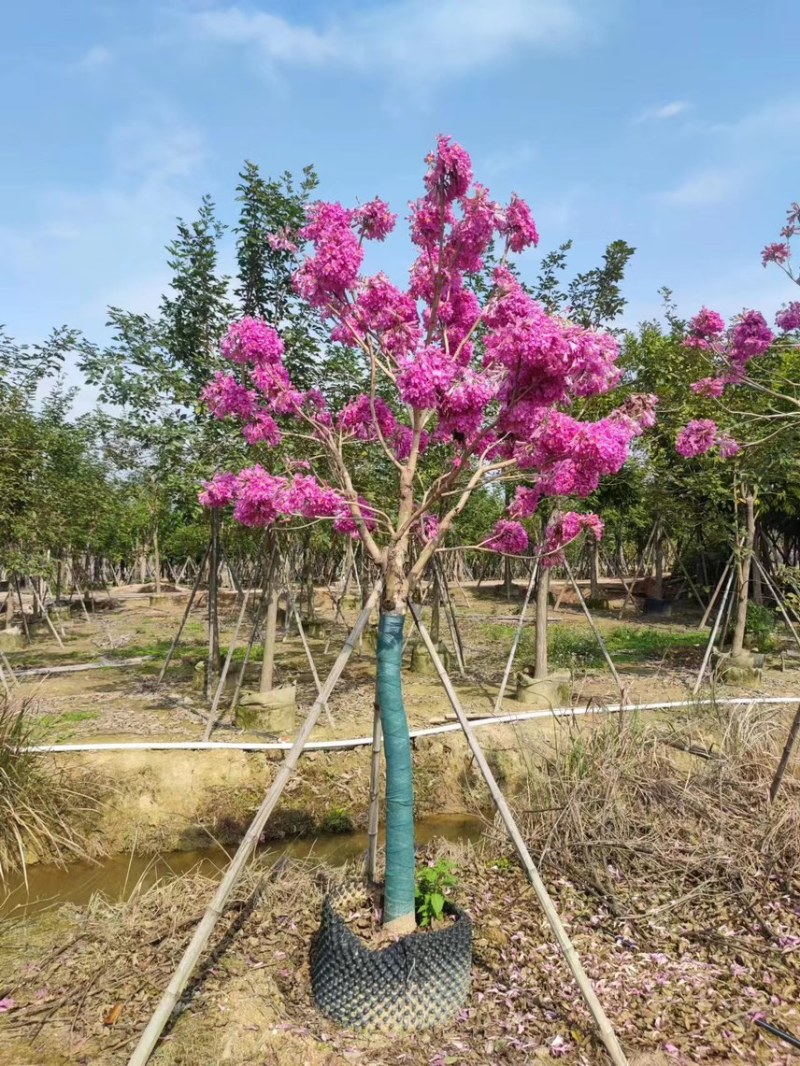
(498, 703)
(311, 664)
(607, 1034)
(216, 908)
(714, 594)
(778, 599)
(213, 716)
(788, 748)
(22, 609)
(188, 608)
(46, 616)
(712, 638)
(595, 630)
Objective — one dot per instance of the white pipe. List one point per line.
(362, 742)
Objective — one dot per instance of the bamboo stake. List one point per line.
(712, 638)
(452, 626)
(498, 703)
(216, 908)
(7, 667)
(778, 600)
(22, 609)
(374, 794)
(189, 603)
(213, 717)
(788, 748)
(715, 593)
(311, 663)
(595, 630)
(640, 566)
(607, 1034)
(46, 616)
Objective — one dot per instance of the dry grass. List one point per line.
(44, 811)
(625, 811)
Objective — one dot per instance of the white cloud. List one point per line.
(95, 58)
(413, 40)
(713, 185)
(84, 250)
(666, 111)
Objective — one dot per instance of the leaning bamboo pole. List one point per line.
(216, 908)
(311, 664)
(605, 1029)
(498, 703)
(788, 748)
(188, 608)
(713, 637)
(597, 635)
(213, 715)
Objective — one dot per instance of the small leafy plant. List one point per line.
(433, 883)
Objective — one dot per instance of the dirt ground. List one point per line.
(82, 980)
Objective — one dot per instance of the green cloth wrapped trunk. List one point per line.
(400, 883)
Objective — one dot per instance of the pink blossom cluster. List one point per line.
(788, 318)
(508, 537)
(700, 436)
(511, 406)
(261, 499)
(747, 337)
(563, 530)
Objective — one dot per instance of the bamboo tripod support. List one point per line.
(595, 630)
(605, 1029)
(713, 637)
(216, 908)
(498, 703)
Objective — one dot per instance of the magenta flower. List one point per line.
(696, 438)
(563, 530)
(252, 342)
(510, 538)
(518, 226)
(727, 446)
(711, 387)
(219, 491)
(779, 253)
(450, 171)
(6, 1004)
(374, 220)
(224, 396)
(788, 318)
(707, 324)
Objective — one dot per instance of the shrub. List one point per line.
(43, 811)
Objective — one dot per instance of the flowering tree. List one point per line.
(729, 353)
(490, 384)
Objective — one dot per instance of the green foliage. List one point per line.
(337, 820)
(760, 626)
(433, 885)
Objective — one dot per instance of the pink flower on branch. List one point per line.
(696, 438)
(563, 530)
(779, 253)
(508, 537)
(788, 318)
(219, 492)
(507, 409)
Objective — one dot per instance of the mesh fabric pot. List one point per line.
(421, 980)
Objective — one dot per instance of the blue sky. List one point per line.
(674, 125)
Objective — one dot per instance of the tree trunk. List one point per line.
(594, 569)
(270, 636)
(659, 557)
(213, 612)
(508, 583)
(435, 608)
(398, 906)
(758, 592)
(542, 590)
(156, 560)
(743, 564)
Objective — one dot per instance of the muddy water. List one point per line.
(117, 877)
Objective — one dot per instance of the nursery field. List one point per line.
(676, 879)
